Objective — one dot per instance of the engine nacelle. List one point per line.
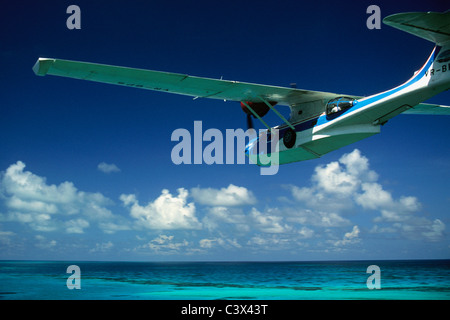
(260, 108)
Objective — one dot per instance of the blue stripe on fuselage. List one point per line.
(366, 101)
(361, 103)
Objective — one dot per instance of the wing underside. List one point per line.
(432, 26)
(177, 83)
(431, 109)
(197, 86)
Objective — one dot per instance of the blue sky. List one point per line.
(86, 172)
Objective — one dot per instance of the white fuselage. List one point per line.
(319, 133)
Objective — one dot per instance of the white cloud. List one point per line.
(373, 197)
(230, 196)
(317, 218)
(351, 237)
(306, 232)
(43, 243)
(343, 178)
(269, 223)
(207, 243)
(111, 227)
(309, 217)
(31, 188)
(102, 247)
(434, 231)
(217, 217)
(272, 243)
(165, 213)
(5, 237)
(223, 242)
(353, 234)
(341, 186)
(163, 244)
(18, 204)
(412, 227)
(76, 225)
(37, 221)
(29, 199)
(332, 179)
(357, 165)
(107, 168)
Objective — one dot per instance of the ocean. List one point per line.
(331, 280)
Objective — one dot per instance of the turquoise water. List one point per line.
(418, 279)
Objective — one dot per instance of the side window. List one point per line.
(444, 56)
(340, 104)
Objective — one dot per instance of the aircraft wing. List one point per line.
(177, 83)
(432, 109)
(432, 26)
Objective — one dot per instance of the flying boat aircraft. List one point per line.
(319, 122)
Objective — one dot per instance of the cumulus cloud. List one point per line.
(349, 184)
(351, 237)
(112, 227)
(217, 217)
(269, 222)
(413, 227)
(223, 242)
(25, 190)
(434, 231)
(29, 199)
(342, 178)
(317, 218)
(272, 242)
(76, 225)
(107, 168)
(102, 247)
(373, 197)
(5, 237)
(43, 243)
(164, 213)
(230, 196)
(306, 233)
(163, 244)
(207, 243)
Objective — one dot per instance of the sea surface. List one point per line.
(342, 280)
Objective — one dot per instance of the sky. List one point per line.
(86, 170)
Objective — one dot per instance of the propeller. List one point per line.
(252, 108)
(249, 121)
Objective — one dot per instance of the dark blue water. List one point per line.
(418, 279)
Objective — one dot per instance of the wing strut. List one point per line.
(277, 113)
(273, 109)
(257, 116)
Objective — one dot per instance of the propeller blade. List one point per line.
(249, 121)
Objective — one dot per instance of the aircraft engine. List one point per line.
(260, 109)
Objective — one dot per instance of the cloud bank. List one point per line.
(343, 207)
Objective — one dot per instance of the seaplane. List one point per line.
(319, 122)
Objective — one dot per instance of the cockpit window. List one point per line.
(339, 104)
(444, 56)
